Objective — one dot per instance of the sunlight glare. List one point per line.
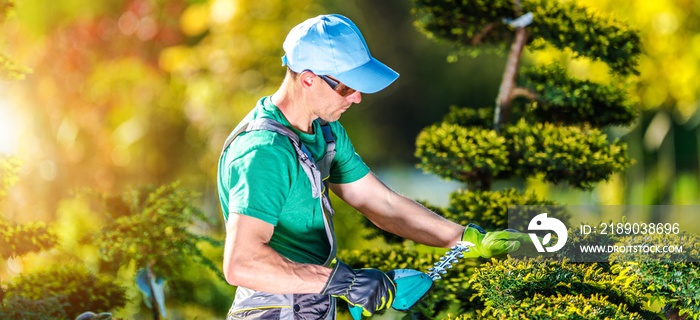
(9, 127)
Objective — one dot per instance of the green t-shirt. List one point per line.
(260, 176)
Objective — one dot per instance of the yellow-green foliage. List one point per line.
(27, 309)
(578, 156)
(489, 209)
(562, 99)
(576, 240)
(76, 289)
(553, 132)
(473, 24)
(671, 278)
(152, 227)
(511, 287)
(676, 284)
(460, 153)
(579, 307)
(19, 239)
(470, 117)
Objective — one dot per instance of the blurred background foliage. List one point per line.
(107, 95)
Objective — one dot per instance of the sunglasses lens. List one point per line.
(339, 87)
(344, 90)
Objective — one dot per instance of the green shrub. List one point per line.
(489, 209)
(567, 306)
(562, 99)
(578, 156)
(26, 309)
(581, 157)
(152, 227)
(19, 239)
(77, 289)
(576, 240)
(470, 117)
(473, 26)
(463, 154)
(670, 278)
(505, 284)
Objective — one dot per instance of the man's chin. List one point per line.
(331, 118)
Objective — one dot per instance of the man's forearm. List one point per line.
(411, 220)
(270, 272)
(421, 225)
(251, 263)
(398, 214)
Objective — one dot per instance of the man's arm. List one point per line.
(251, 263)
(398, 214)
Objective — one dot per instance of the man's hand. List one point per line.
(494, 243)
(370, 289)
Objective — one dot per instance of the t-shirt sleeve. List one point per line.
(347, 164)
(260, 182)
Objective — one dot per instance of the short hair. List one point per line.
(293, 74)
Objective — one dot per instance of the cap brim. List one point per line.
(370, 77)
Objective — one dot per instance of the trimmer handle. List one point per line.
(411, 286)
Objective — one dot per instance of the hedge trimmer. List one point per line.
(412, 285)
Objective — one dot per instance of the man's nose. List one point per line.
(355, 97)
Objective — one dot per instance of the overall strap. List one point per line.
(325, 167)
(325, 163)
(303, 153)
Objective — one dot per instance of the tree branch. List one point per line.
(503, 102)
(522, 92)
(480, 36)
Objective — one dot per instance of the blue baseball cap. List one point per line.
(332, 45)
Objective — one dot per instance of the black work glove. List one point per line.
(370, 289)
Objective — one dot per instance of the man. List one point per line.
(275, 172)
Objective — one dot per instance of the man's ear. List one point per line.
(307, 78)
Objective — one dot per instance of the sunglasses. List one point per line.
(337, 86)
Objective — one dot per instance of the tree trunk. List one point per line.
(505, 96)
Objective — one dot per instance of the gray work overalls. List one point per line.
(251, 304)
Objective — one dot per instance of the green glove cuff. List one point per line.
(494, 243)
(474, 234)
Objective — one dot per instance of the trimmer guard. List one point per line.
(411, 286)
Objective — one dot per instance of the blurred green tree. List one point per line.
(545, 124)
(57, 291)
(151, 229)
(19, 239)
